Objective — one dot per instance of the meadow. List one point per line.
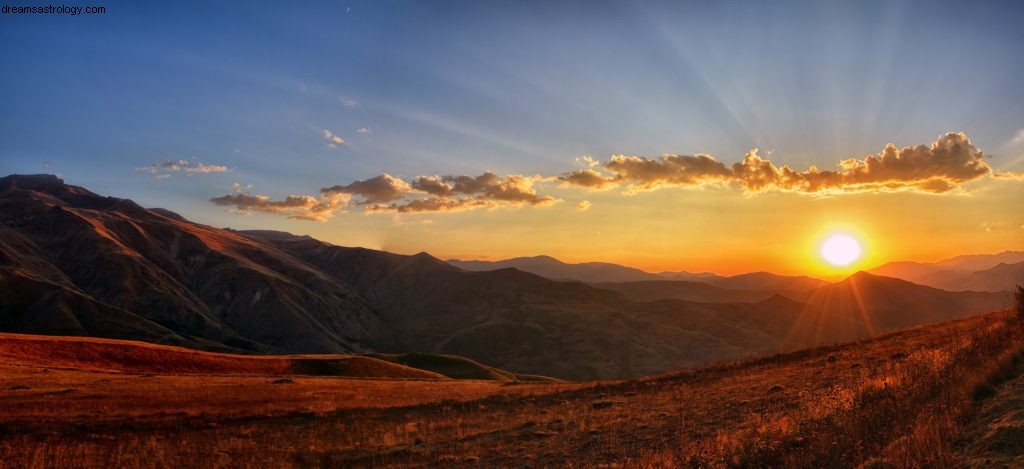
(900, 400)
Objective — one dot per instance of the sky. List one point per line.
(701, 136)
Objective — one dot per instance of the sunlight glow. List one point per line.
(840, 250)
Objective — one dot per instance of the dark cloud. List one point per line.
(383, 188)
(587, 178)
(642, 173)
(457, 193)
(302, 207)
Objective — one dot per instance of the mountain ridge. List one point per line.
(76, 263)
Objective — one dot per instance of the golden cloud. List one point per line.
(301, 207)
(942, 166)
(939, 167)
(458, 193)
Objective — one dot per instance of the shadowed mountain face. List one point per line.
(887, 303)
(76, 263)
(90, 260)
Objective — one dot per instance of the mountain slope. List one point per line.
(200, 286)
(654, 290)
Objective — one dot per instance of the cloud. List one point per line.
(942, 166)
(301, 207)
(588, 161)
(644, 174)
(348, 102)
(459, 193)
(333, 140)
(364, 130)
(163, 169)
(1008, 175)
(431, 204)
(587, 178)
(383, 188)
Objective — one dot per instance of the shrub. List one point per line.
(1018, 300)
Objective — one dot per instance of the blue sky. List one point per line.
(511, 87)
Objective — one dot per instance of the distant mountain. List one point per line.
(887, 303)
(687, 276)
(1002, 277)
(76, 263)
(549, 267)
(766, 281)
(602, 272)
(955, 273)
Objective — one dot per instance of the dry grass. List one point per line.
(900, 400)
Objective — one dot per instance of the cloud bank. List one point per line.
(940, 167)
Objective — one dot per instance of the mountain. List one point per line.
(1002, 277)
(76, 263)
(549, 267)
(766, 281)
(887, 303)
(954, 273)
(601, 272)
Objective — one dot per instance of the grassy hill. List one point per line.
(902, 399)
(106, 355)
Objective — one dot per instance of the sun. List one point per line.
(840, 250)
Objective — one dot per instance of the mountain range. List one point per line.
(73, 262)
(977, 272)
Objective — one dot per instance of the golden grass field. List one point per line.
(901, 400)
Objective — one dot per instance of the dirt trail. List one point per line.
(995, 436)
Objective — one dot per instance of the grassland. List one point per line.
(900, 400)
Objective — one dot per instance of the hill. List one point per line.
(899, 400)
(90, 354)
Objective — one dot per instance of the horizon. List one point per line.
(830, 278)
(727, 138)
